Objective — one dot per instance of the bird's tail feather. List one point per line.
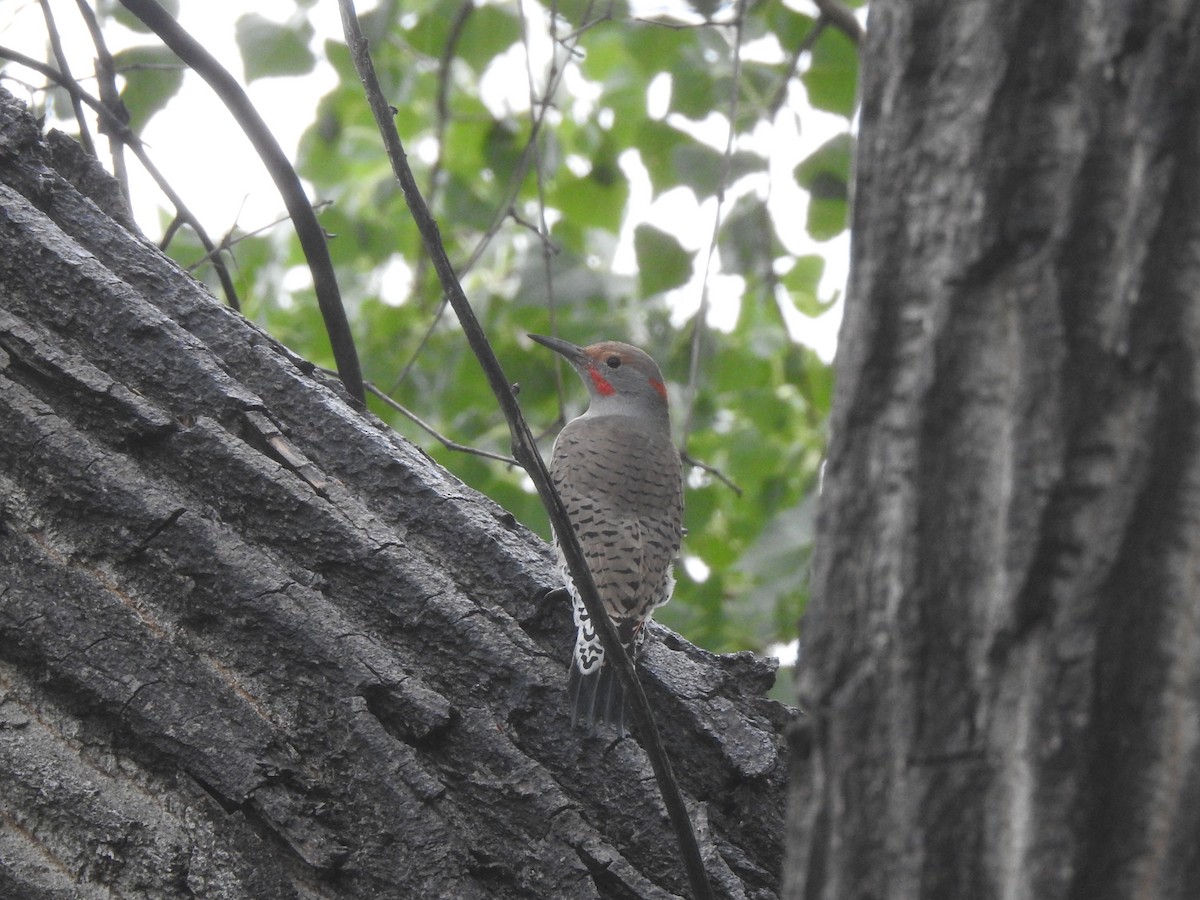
(597, 698)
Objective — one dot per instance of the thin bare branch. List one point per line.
(228, 241)
(528, 154)
(457, 26)
(64, 66)
(416, 354)
(674, 25)
(441, 122)
(106, 78)
(780, 95)
(540, 232)
(537, 108)
(842, 18)
(527, 158)
(378, 392)
(700, 320)
(716, 473)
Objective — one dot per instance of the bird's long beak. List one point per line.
(572, 353)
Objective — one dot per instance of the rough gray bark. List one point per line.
(253, 644)
(1002, 653)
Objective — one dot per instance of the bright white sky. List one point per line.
(203, 154)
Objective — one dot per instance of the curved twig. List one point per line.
(308, 229)
(537, 109)
(842, 18)
(780, 96)
(431, 431)
(526, 452)
(228, 241)
(457, 26)
(700, 320)
(64, 66)
(106, 78)
(688, 460)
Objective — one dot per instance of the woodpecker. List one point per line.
(619, 477)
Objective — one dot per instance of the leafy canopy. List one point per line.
(548, 145)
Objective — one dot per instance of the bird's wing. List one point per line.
(625, 508)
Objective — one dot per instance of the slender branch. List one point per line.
(526, 452)
(542, 232)
(228, 241)
(131, 140)
(842, 18)
(308, 229)
(442, 119)
(376, 391)
(412, 360)
(832, 13)
(106, 77)
(537, 108)
(687, 459)
(64, 66)
(793, 63)
(457, 27)
(700, 320)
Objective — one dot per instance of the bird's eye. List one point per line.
(613, 362)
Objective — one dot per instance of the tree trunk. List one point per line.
(253, 644)
(1002, 655)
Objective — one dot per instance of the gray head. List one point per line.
(621, 379)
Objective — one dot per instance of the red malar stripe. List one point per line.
(603, 385)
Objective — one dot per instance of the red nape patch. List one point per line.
(603, 385)
(659, 386)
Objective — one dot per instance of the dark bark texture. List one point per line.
(1002, 653)
(253, 644)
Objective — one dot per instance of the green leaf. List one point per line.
(826, 171)
(429, 34)
(832, 78)
(826, 218)
(153, 75)
(693, 86)
(700, 167)
(789, 26)
(744, 240)
(465, 144)
(657, 144)
(757, 85)
(801, 282)
(503, 146)
(489, 31)
(464, 206)
(273, 48)
(596, 199)
(574, 280)
(814, 378)
(606, 55)
(777, 564)
(825, 174)
(662, 263)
